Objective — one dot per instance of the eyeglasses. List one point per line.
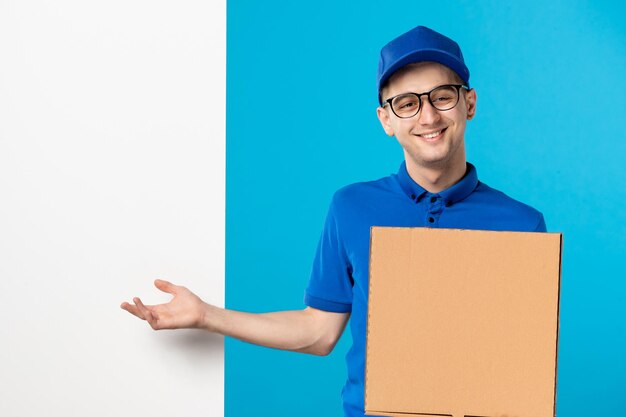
(444, 97)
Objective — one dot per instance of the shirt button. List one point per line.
(412, 196)
(433, 199)
(431, 220)
(448, 203)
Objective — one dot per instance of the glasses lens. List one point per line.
(444, 97)
(406, 105)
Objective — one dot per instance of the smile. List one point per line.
(432, 135)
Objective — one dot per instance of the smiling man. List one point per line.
(425, 101)
(430, 125)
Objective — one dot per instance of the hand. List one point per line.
(185, 310)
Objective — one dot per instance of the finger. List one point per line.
(132, 310)
(143, 310)
(165, 286)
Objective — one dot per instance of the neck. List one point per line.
(436, 178)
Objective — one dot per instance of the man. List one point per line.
(425, 101)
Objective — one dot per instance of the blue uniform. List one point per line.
(340, 273)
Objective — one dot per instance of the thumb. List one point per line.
(165, 286)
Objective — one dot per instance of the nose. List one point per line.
(427, 115)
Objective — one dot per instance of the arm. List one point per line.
(309, 331)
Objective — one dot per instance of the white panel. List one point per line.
(112, 164)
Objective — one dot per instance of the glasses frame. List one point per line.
(419, 99)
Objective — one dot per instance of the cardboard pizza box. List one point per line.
(462, 323)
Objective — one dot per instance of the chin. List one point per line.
(432, 160)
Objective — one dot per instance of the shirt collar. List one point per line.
(453, 194)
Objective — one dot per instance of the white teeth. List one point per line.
(431, 135)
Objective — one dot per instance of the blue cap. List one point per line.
(417, 45)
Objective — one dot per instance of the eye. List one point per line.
(406, 102)
(441, 98)
(443, 95)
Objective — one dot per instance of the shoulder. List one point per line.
(515, 212)
(363, 193)
(504, 201)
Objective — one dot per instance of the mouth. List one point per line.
(432, 136)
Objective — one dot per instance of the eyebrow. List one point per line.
(425, 92)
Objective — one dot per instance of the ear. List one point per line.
(383, 117)
(470, 102)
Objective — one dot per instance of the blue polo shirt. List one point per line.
(340, 273)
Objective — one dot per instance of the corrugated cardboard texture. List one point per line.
(462, 323)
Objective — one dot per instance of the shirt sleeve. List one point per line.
(541, 226)
(330, 283)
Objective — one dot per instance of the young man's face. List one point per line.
(447, 148)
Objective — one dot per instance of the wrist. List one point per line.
(207, 317)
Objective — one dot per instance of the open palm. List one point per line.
(183, 311)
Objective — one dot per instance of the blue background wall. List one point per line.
(550, 130)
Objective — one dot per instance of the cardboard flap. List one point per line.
(462, 322)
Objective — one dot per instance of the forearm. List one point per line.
(295, 330)
(310, 330)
